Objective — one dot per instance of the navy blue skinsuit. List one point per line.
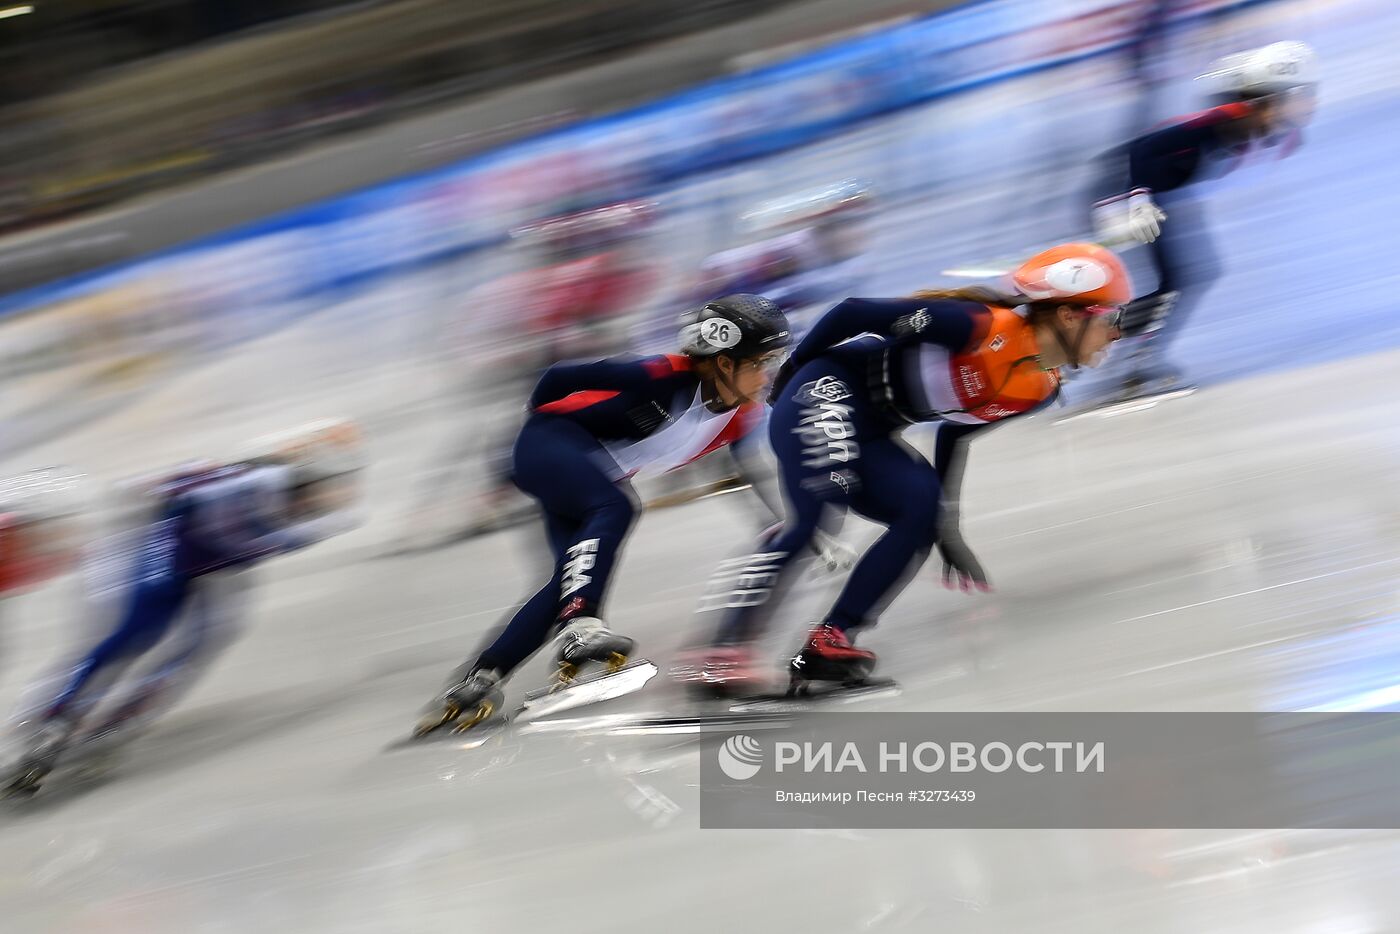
(214, 520)
(588, 506)
(835, 430)
(1166, 161)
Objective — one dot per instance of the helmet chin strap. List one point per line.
(727, 383)
(1072, 353)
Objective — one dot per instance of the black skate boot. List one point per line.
(829, 655)
(1153, 380)
(47, 745)
(466, 703)
(1149, 374)
(586, 640)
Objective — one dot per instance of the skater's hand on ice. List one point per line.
(961, 569)
(834, 553)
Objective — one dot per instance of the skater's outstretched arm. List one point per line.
(950, 448)
(960, 565)
(940, 321)
(950, 454)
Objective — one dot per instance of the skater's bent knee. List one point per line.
(619, 510)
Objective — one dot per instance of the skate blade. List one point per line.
(565, 675)
(467, 733)
(711, 692)
(483, 712)
(24, 787)
(660, 724)
(437, 721)
(708, 490)
(818, 693)
(1125, 406)
(614, 683)
(760, 712)
(476, 737)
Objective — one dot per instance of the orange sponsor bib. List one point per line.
(1000, 376)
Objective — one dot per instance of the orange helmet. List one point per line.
(1077, 273)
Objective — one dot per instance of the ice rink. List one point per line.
(1237, 549)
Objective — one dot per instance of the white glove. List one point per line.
(1144, 217)
(1130, 218)
(834, 553)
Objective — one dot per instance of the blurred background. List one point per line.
(218, 220)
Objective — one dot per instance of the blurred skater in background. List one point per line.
(1143, 193)
(39, 536)
(204, 528)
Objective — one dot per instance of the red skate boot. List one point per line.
(829, 655)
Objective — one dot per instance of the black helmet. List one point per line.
(740, 325)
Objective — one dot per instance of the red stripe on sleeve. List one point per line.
(663, 366)
(1219, 114)
(575, 401)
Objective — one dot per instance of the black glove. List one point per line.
(961, 569)
(781, 379)
(1146, 313)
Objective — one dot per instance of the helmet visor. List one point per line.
(769, 362)
(1112, 314)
